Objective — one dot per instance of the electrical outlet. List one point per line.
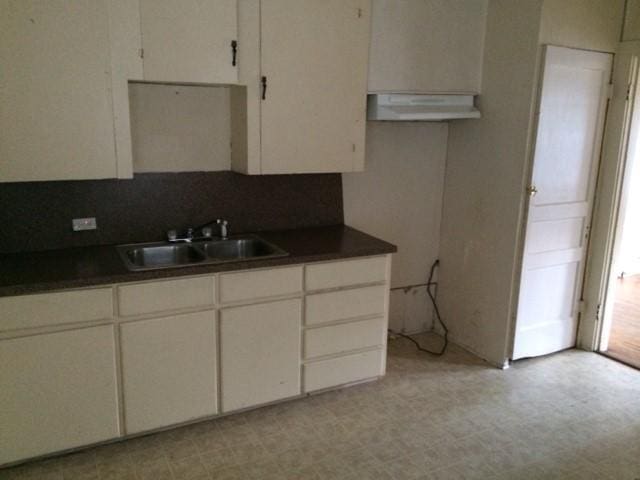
(80, 224)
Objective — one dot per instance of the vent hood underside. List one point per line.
(411, 107)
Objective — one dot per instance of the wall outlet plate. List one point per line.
(80, 224)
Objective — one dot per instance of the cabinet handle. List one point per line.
(234, 52)
(264, 88)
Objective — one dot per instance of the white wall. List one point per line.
(484, 183)
(632, 21)
(588, 24)
(177, 128)
(488, 164)
(399, 198)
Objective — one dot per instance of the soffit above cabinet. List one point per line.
(427, 46)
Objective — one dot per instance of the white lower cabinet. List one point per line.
(168, 370)
(182, 349)
(260, 353)
(57, 391)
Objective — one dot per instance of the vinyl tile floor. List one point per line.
(573, 415)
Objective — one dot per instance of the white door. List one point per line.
(569, 134)
(189, 40)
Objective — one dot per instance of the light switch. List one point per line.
(80, 224)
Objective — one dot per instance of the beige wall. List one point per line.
(632, 21)
(399, 198)
(488, 164)
(588, 24)
(484, 183)
(180, 128)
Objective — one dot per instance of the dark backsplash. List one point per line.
(37, 215)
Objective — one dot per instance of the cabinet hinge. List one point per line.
(359, 13)
(628, 91)
(353, 147)
(610, 91)
(141, 53)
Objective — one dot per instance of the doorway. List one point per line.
(620, 337)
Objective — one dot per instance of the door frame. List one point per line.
(605, 226)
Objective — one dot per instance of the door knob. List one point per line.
(532, 190)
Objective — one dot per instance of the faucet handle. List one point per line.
(189, 233)
(172, 235)
(207, 232)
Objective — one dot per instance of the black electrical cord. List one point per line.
(440, 352)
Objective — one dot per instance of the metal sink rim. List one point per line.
(197, 245)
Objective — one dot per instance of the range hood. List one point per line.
(412, 108)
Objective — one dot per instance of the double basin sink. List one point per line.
(151, 256)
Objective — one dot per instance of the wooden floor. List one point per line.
(624, 342)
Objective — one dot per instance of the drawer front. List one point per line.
(49, 309)
(241, 286)
(345, 304)
(341, 370)
(344, 337)
(166, 295)
(349, 272)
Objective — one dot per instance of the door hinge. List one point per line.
(581, 307)
(598, 312)
(610, 91)
(141, 53)
(359, 13)
(628, 91)
(353, 147)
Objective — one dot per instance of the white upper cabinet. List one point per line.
(304, 110)
(60, 113)
(314, 59)
(189, 41)
(427, 46)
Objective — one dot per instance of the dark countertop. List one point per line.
(23, 273)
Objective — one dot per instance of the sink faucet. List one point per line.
(224, 228)
(206, 233)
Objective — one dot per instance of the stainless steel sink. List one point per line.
(151, 256)
(239, 249)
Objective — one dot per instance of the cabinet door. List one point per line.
(189, 40)
(57, 391)
(168, 370)
(314, 58)
(260, 353)
(56, 116)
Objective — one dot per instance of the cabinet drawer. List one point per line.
(166, 295)
(49, 309)
(344, 304)
(235, 287)
(341, 370)
(342, 274)
(344, 337)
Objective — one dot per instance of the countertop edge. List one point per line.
(380, 247)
